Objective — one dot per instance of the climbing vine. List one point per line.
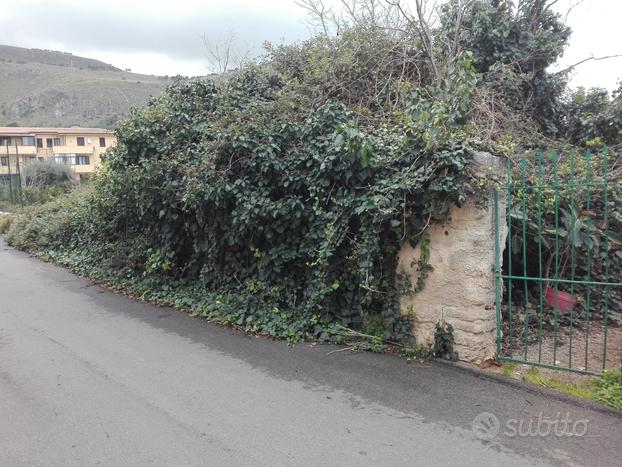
(424, 268)
(444, 342)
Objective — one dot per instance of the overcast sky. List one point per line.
(166, 37)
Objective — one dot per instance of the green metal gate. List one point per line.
(558, 289)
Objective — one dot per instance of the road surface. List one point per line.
(88, 377)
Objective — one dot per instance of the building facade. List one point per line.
(80, 148)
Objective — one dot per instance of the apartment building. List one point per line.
(80, 148)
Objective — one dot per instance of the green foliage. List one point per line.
(416, 353)
(361, 67)
(424, 268)
(46, 173)
(529, 36)
(513, 44)
(608, 388)
(42, 181)
(33, 195)
(30, 195)
(283, 215)
(278, 200)
(508, 369)
(5, 198)
(593, 118)
(578, 390)
(444, 342)
(52, 225)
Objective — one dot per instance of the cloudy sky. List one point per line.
(167, 37)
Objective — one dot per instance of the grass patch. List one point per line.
(583, 390)
(606, 389)
(508, 369)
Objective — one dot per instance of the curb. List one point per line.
(531, 387)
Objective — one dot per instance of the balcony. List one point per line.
(21, 150)
(86, 150)
(24, 159)
(78, 169)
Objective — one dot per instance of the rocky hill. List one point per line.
(48, 88)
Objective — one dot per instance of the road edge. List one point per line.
(531, 387)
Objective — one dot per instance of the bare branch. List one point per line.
(567, 69)
(572, 7)
(420, 23)
(319, 13)
(225, 54)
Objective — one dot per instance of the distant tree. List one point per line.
(594, 118)
(46, 173)
(225, 55)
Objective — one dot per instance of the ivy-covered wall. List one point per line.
(457, 260)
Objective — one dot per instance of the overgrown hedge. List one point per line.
(280, 213)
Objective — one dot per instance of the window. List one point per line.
(102, 142)
(4, 161)
(39, 142)
(83, 160)
(5, 141)
(48, 142)
(56, 141)
(80, 141)
(67, 159)
(28, 141)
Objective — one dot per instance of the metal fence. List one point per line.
(559, 295)
(10, 177)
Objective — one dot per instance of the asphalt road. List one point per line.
(90, 377)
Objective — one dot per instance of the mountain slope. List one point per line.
(47, 88)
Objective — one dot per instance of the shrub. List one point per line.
(53, 225)
(444, 342)
(608, 388)
(46, 173)
(42, 181)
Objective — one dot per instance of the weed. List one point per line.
(582, 390)
(444, 342)
(508, 369)
(608, 388)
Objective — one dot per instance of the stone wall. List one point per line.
(461, 288)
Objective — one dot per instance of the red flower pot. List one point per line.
(563, 301)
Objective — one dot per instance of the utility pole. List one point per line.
(19, 175)
(8, 164)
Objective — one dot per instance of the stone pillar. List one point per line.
(461, 288)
